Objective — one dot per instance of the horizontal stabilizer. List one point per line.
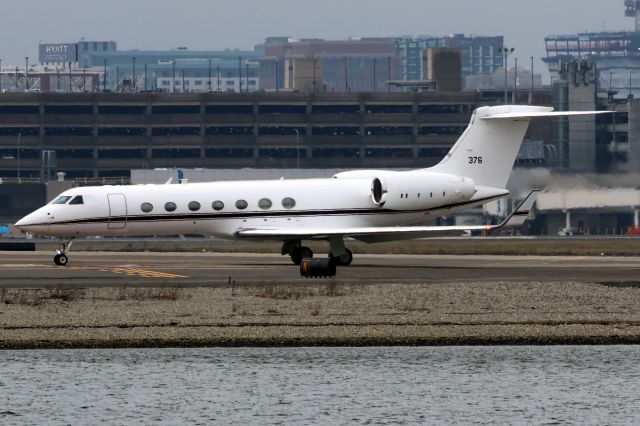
(534, 114)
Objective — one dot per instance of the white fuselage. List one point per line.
(410, 197)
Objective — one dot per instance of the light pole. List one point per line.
(346, 76)
(515, 82)
(26, 74)
(174, 75)
(104, 77)
(133, 86)
(506, 51)
(374, 75)
(297, 147)
(209, 75)
(240, 74)
(388, 73)
(531, 97)
(630, 94)
(19, 136)
(313, 85)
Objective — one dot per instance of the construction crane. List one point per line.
(633, 11)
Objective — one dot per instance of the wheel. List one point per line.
(60, 259)
(300, 253)
(343, 260)
(296, 258)
(306, 253)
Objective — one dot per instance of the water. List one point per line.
(382, 385)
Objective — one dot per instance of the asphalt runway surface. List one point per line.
(96, 269)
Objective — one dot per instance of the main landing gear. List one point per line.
(342, 257)
(61, 258)
(294, 249)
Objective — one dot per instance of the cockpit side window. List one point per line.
(61, 199)
(77, 200)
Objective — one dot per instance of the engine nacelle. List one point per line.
(414, 190)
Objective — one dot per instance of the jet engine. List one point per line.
(416, 190)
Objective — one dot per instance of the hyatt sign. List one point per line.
(58, 53)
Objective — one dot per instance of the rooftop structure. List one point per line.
(617, 55)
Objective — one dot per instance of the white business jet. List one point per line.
(368, 205)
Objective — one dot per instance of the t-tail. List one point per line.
(488, 147)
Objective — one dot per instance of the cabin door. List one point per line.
(117, 211)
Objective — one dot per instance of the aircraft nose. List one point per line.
(22, 224)
(27, 223)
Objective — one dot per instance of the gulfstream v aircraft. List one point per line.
(368, 205)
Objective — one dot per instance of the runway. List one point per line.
(95, 269)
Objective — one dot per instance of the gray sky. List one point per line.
(217, 24)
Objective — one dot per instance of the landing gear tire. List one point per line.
(343, 260)
(299, 253)
(60, 259)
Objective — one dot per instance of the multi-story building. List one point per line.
(108, 134)
(480, 55)
(354, 65)
(176, 70)
(589, 144)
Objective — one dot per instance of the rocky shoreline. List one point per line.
(327, 313)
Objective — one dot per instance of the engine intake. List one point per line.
(379, 191)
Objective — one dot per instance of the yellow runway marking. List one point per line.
(132, 272)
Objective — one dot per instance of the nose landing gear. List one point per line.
(61, 258)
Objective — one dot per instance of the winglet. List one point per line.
(519, 215)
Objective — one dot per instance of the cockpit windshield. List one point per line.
(61, 199)
(77, 200)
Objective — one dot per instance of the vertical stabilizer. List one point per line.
(488, 147)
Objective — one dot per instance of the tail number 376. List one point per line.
(475, 160)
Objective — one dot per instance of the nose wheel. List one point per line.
(61, 258)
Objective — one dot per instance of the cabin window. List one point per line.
(146, 207)
(217, 205)
(170, 206)
(62, 199)
(194, 206)
(77, 200)
(265, 203)
(288, 203)
(241, 204)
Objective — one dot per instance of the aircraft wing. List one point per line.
(389, 233)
